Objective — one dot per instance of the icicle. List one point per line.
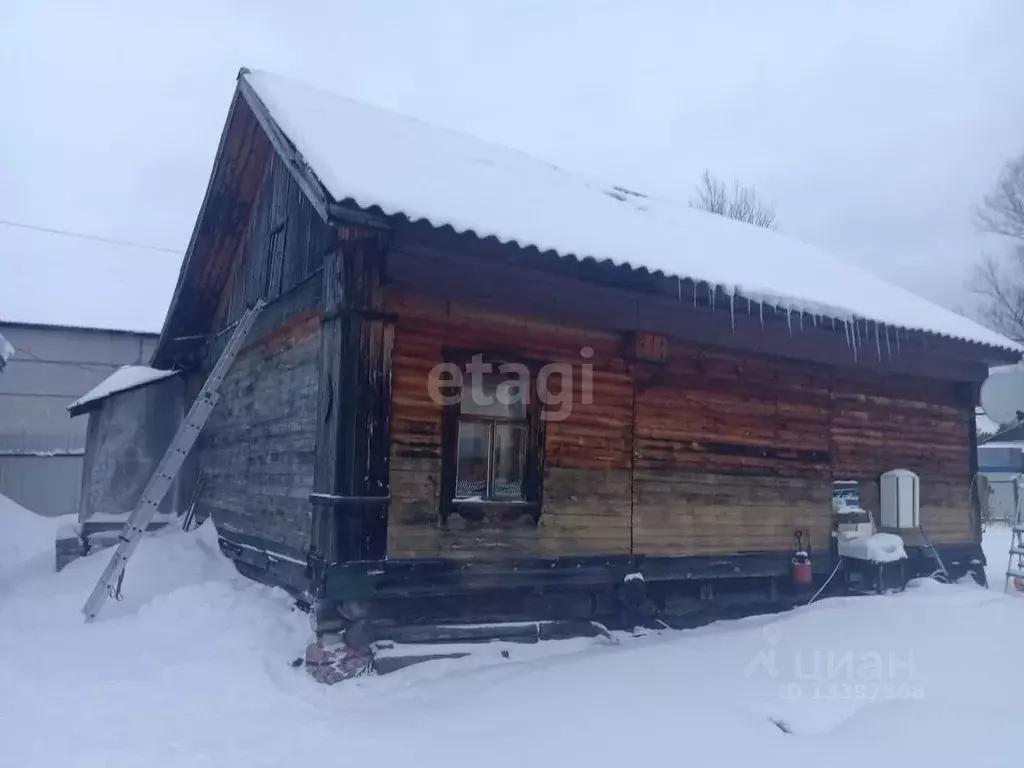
(694, 293)
(888, 345)
(712, 290)
(801, 320)
(814, 319)
(897, 341)
(833, 323)
(760, 304)
(679, 286)
(732, 309)
(750, 305)
(878, 341)
(789, 320)
(846, 332)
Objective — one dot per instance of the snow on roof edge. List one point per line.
(261, 83)
(775, 300)
(125, 378)
(136, 331)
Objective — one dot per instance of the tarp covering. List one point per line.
(126, 439)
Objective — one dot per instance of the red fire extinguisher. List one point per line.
(802, 574)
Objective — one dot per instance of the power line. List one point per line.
(86, 236)
(91, 367)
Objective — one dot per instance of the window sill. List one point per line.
(495, 503)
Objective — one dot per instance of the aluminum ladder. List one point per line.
(1015, 565)
(170, 465)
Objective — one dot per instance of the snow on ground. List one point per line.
(26, 542)
(997, 552)
(192, 669)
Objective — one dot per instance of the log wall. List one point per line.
(731, 455)
(586, 484)
(686, 452)
(257, 451)
(919, 425)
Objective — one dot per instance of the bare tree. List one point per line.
(1002, 211)
(742, 205)
(999, 280)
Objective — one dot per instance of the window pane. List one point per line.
(509, 452)
(495, 396)
(471, 472)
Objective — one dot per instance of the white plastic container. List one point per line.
(900, 499)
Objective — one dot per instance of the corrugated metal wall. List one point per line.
(40, 445)
(49, 485)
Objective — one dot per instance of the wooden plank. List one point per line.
(497, 544)
(367, 339)
(327, 468)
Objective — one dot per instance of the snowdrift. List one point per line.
(193, 668)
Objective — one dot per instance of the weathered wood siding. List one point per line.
(256, 453)
(915, 424)
(707, 452)
(284, 246)
(257, 450)
(731, 455)
(586, 485)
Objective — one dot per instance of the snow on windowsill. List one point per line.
(502, 502)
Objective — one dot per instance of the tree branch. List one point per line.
(742, 205)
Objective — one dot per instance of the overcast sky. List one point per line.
(874, 126)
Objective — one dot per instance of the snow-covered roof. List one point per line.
(376, 158)
(1014, 433)
(124, 378)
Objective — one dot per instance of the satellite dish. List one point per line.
(1002, 394)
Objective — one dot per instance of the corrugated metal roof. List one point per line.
(382, 160)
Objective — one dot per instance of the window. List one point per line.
(491, 440)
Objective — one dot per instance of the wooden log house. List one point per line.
(642, 413)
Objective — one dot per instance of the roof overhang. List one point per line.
(348, 211)
(128, 378)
